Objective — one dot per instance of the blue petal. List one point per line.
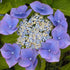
(16, 51)
(8, 47)
(59, 15)
(8, 25)
(54, 57)
(11, 62)
(51, 44)
(61, 36)
(27, 13)
(22, 8)
(64, 41)
(41, 8)
(45, 54)
(32, 66)
(20, 12)
(29, 53)
(51, 18)
(24, 62)
(58, 19)
(28, 56)
(6, 55)
(57, 31)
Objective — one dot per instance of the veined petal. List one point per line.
(20, 12)
(54, 57)
(51, 18)
(57, 31)
(24, 62)
(17, 51)
(64, 41)
(11, 62)
(8, 25)
(45, 54)
(41, 8)
(32, 66)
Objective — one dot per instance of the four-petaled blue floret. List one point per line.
(11, 52)
(58, 19)
(20, 12)
(49, 50)
(28, 59)
(8, 25)
(41, 8)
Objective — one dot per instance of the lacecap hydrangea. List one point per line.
(34, 35)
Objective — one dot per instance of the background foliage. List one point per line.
(64, 6)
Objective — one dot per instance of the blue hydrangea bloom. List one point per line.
(33, 66)
(8, 25)
(60, 35)
(50, 50)
(41, 8)
(28, 58)
(20, 12)
(58, 18)
(11, 53)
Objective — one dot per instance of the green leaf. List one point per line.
(43, 64)
(3, 64)
(1, 18)
(39, 64)
(65, 50)
(9, 38)
(17, 67)
(67, 58)
(66, 67)
(5, 6)
(47, 1)
(63, 5)
(16, 3)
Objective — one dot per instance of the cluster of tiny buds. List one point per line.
(33, 32)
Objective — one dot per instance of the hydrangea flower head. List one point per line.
(41, 8)
(34, 35)
(20, 12)
(11, 52)
(58, 19)
(28, 58)
(34, 31)
(60, 35)
(8, 25)
(50, 50)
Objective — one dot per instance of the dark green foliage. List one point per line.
(64, 6)
(9, 38)
(17, 67)
(66, 67)
(5, 6)
(3, 64)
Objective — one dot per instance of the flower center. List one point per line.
(42, 8)
(59, 38)
(58, 21)
(30, 59)
(49, 50)
(10, 26)
(34, 31)
(12, 52)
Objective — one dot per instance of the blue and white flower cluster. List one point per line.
(49, 49)
(34, 31)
